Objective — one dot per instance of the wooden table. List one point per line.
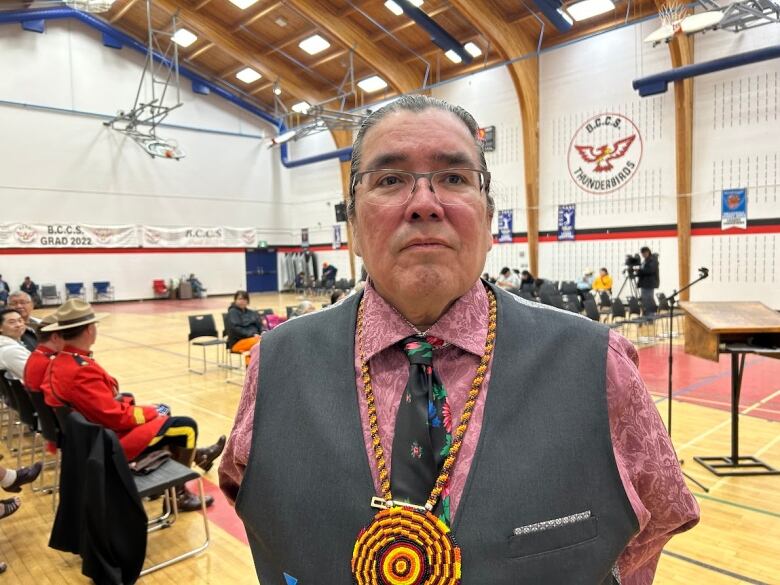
(736, 328)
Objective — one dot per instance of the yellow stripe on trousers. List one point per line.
(188, 432)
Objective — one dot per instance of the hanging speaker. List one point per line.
(341, 211)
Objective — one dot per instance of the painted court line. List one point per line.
(713, 568)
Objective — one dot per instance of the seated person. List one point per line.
(337, 295)
(585, 283)
(22, 302)
(76, 380)
(303, 308)
(507, 279)
(49, 344)
(244, 325)
(4, 290)
(329, 274)
(29, 287)
(13, 353)
(603, 282)
(527, 281)
(198, 290)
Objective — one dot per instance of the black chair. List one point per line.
(591, 310)
(202, 327)
(164, 480)
(23, 405)
(568, 287)
(290, 311)
(605, 302)
(50, 430)
(266, 311)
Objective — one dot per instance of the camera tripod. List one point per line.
(629, 280)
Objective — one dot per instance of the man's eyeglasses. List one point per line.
(391, 187)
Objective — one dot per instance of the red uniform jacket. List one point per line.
(74, 379)
(35, 368)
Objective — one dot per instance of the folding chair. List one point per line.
(75, 290)
(163, 480)
(591, 310)
(102, 291)
(160, 289)
(50, 430)
(202, 326)
(21, 403)
(49, 292)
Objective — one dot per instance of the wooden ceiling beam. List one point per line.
(400, 76)
(270, 67)
(201, 4)
(122, 11)
(512, 41)
(199, 51)
(259, 13)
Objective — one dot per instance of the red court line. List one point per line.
(706, 382)
(221, 512)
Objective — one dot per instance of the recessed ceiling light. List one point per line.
(453, 56)
(301, 107)
(372, 84)
(280, 21)
(248, 75)
(184, 38)
(589, 8)
(314, 44)
(243, 4)
(277, 90)
(472, 49)
(397, 10)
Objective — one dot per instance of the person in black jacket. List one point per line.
(648, 279)
(244, 325)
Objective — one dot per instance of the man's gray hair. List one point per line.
(416, 104)
(19, 293)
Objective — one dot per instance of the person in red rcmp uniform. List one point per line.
(73, 378)
(49, 344)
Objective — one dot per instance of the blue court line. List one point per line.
(713, 568)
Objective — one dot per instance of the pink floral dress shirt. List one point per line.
(645, 457)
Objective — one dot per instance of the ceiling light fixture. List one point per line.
(397, 10)
(280, 21)
(243, 4)
(453, 56)
(184, 38)
(301, 107)
(94, 6)
(589, 8)
(314, 44)
(248, 75)
(472, 49)
(372, 84)
(277, 89)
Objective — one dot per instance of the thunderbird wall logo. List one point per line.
(604, 153)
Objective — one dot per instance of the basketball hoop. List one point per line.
(671, 15)
(162, 148)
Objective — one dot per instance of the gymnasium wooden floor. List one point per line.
(144, 346)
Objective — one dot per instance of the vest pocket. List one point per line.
(554, 536)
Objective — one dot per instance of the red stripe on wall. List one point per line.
(47, 251)
(752, 229)
(615, 235)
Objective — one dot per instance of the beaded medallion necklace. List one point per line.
(406, 544)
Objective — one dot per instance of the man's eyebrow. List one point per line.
(454, 158)
(387, 160)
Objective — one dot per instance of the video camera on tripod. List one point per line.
(632, 262)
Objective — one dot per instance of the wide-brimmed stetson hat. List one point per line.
(74, 313)
(49, 319)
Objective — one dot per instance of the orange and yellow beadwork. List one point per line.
(402, 546)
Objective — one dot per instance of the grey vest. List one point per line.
(544, 454)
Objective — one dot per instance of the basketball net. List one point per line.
(671, 14)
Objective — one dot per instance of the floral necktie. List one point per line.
(423, 429)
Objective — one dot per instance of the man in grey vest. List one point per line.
(434, 429)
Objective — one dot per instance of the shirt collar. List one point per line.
(464, 324)
(47, 351)
(72, 349)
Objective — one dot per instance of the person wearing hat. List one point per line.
(585, 284)
(49, 344)
(73, 378)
